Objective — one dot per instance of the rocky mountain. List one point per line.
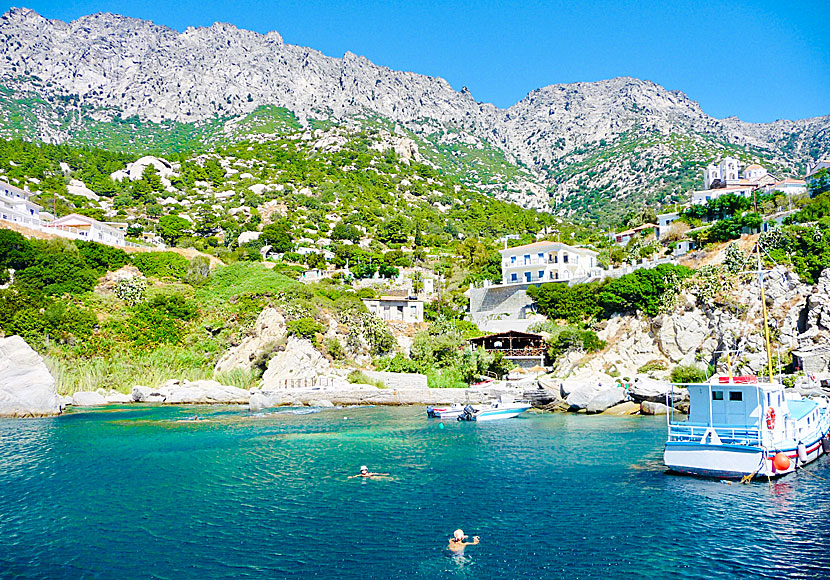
(609, 144)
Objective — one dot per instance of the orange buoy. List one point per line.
(781, 462)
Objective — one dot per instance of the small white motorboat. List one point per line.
(451, 412)
(502, 408)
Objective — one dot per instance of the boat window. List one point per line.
(736, 396)
(769, 399)
(717, 395)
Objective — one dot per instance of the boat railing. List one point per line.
(731, 435)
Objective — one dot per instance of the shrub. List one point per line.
(688, 374)
(198, 271)
(101, 257)
(562, 302)
(173, 306)
(161, 264)
(654, 365)
(131, 290)
(642, 289)
(334, 348)
(360, 377)
(15, 251)
(57, 274)
(574, 340)
(398, 364)
(149, 327)
(305, 327)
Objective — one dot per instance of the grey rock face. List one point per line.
(649, 408)
(27, 389)
(269, 328)
(299, 361)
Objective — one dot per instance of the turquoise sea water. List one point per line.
(131, 493)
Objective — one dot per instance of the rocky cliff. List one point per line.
(609, 140)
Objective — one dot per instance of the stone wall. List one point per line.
(399, 380)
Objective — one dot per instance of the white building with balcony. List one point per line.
(396, 308)
(15, 206)
(547, 262)
(81, 227)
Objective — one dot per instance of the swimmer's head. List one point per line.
(364, 469)
(458, 535)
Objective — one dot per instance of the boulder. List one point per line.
(27, 389)
(682, 333)
(323, 403)
(107, 283)
(269, 328)
(623, 409)
(258, 402)
(141, 393)
(299, 362)
(114, 397)
(204, 392)
(579, 397)
(644, 388)
(88, 399)
(649, 408)
(605, 399)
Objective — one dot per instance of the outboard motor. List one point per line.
(468, 414)
(430, 412)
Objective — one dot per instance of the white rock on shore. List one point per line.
(299, 360)
(27, 388)
(88, 399)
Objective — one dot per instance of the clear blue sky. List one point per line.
(760, 61)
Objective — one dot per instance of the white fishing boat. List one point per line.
(740, 427)
(502, 408)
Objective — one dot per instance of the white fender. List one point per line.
(802, 452)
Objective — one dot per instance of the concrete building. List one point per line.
(396, 308)
(81, 227)
(664, 223)
(547, 262)
(789, 186)
(16, 207)
(707, 195)
(724, 172)
(623, 238)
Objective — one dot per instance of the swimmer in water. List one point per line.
(457, 543)
(364, 472)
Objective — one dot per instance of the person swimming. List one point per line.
(457, 543)
(364, 472)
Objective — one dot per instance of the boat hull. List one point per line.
(733, 461)
(496, 414)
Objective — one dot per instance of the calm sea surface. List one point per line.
(132, 493)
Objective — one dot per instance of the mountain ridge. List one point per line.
(572, 138)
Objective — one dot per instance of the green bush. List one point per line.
(173, 306)
(198, 271)
(57, 274)
(642, 290)
(558, 301)
(15, 251)
(334, 348)
(161, 264)
(655, 365)
(149, 327)
(359, 377)
(101, 257)
(131, 290)
(571, 339)
(688, 374)
(304, 328)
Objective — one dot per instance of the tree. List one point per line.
(343, 231)
(393, 231)
(819, 183)
(172, 227)
(15, 251)
(278, 236)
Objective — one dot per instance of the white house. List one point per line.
(706, 195)
(623, 238)
(790, 186)
(81, 227)
(15, 206)
(665, 221)
(546, 262)
(396, 308)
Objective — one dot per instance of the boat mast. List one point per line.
(764, 309)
